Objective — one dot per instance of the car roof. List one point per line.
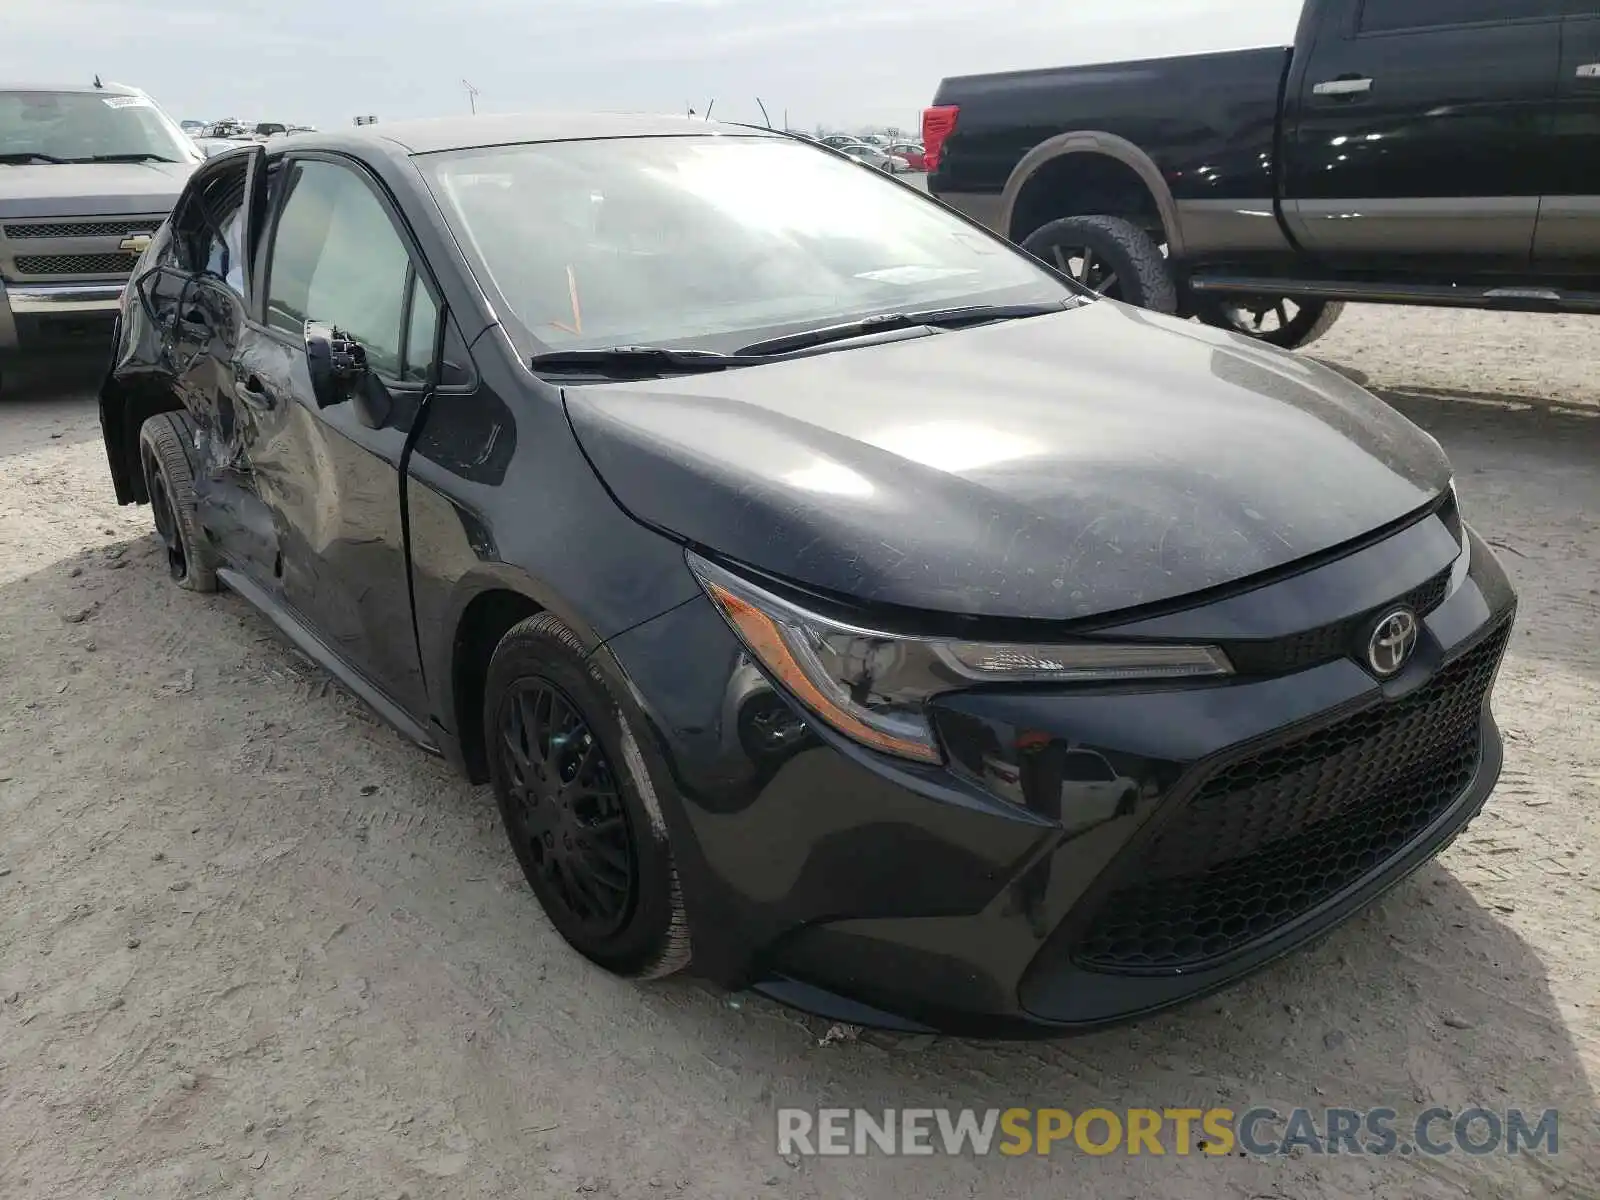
(462, 133)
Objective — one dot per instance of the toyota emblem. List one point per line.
(1393, 639)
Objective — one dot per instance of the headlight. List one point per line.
(873, 686)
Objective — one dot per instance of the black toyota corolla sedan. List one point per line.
(828, 590)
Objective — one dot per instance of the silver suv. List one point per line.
(87, 174)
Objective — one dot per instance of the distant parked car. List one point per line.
(912, 152)
(228, 127)
(191, 127)
(840, 141)
(268, 129)
(871, 156)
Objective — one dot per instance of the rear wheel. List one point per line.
(1108, 255)
(579, 804)
(169, 482)
(1277, 320)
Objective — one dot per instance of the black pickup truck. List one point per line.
(1401, 151)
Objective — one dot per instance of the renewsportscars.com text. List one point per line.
(1261, 1132)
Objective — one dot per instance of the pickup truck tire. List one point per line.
(1110, 256)
(1296, 323)
(169, 481)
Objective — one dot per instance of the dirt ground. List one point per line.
(251, 944)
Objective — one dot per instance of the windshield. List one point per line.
(709, 241)
(84, 126)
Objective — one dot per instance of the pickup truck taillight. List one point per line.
(938, 123)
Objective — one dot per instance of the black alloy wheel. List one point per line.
(568, 810)
(582, 799)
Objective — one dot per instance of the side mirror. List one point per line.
(337, 362)
(339, 372)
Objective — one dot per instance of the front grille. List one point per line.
(1270, 837)
(1298, 651)
(75, 264)
(55, 229)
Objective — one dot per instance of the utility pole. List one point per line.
(472, 96)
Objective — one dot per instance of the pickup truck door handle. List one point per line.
(1342, 87)
(1589, 71)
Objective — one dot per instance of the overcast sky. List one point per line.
(833, 62)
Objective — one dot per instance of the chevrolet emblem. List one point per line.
(136, 243)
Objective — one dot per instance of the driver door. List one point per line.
(338, 254)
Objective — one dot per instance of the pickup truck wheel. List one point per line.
(1276, 320)
(580, 805)
(1110, 256)
(170, 484)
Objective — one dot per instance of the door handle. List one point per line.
(1341, 87)
(1589, 71)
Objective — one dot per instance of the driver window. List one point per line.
(336, 257)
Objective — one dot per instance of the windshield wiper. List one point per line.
(632, 362)
(121, 158)
(938, 318)
(18, 157)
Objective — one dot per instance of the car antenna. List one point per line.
(764, 116)
(97, 82)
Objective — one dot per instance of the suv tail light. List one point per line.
(938, 123)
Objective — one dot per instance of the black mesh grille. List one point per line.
(1328, 642)
(54, 229)
(1272, 836)
(75, 264)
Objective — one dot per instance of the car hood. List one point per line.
(1057, 467)
(90, 189)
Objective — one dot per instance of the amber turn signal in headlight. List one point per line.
(873, 686)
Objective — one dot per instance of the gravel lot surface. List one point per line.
(253, 945)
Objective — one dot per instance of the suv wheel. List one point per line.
(1277, 320)
(1110, 256)
(169, 481)
(579, 804)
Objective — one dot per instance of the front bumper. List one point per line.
(47, 316)
(996, 895)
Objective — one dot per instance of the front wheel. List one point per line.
(579, 804)
(1277, 320)
(1110, 256)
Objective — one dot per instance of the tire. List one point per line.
(169, 482)
(1294, 323)
(1110, 256)
(580, 839)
